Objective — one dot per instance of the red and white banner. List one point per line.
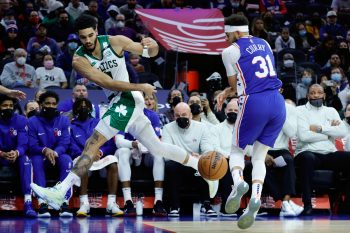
(198, 31)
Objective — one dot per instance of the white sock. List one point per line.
(27, 197)
(111, 199)
(127, 194)
(69, 181)
(192, 162)
(158, 194)
(256, 190)
(84, 199)
(237, 176)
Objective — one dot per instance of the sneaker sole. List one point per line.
(247, 219)
(45, 215)
(66, 215)
(115, 215)
(44, 197)
(83, 215)
(234, 202)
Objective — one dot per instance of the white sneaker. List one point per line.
(213, 187)
(233, 201)
(113, 210)
(84, 210)
(297, 208)
(53, 196)
(174, 213)
(287, 210)
(248, 217)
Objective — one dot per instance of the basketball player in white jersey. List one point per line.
(101, 60)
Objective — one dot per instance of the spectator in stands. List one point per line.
(275, 6)
(324, 51)
(162, 4)
(271, 25)
(194, 137)
(38, 93)
(348, 39)
(42, 43)
(201, 110)
(334, 62)
(31, 108)
(61, 29)
(175, 96)
(31, 26)
(44, 8)
(344, 95)
(79, 91)
(48, 146)
(284, 41)
(331, 89)
(93, 11)
(304, 40)
(332, 28)
(346, 121)
(102, 9)
(18, 73)
(54, 8)
(75, 8)
(280, 180)
(314, 24)
(111, 22)
(222, 142)
(64, 60)
(82, 127)
(302, 88)
(128, 9)
(151, 103)
(121, 29)
(344, 55)
(289, 71)
(318, 127)
(258, 29)
(135, 62)
(13, 148)
(11, 42)
(131, 149)
(50, 76)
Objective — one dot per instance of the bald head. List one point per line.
(182, 110)
(232, 106)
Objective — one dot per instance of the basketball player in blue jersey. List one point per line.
(101, 60)
(251, 73)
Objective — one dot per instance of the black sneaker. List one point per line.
(158, 209)
(129, 209)
(65, 212)
(43, 211)
(207, 210)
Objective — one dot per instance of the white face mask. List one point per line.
(21, 61)
(288, 63)
(120, 24)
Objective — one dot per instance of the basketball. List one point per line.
(212, 165)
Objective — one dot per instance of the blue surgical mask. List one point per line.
(302, 33)
(72, 45)
(306, 80)
(288, 63)
(336, 77)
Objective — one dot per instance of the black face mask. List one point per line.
(6, 113)
(347, 120)
(175, 101)
(231, 117)
(316, 102)
(183, 122)
(83, 114)
(49, 113)
(195, 109)
(32, 113)
(131, 6)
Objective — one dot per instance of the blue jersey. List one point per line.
(253, 63)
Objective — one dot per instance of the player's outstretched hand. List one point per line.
(220, 99)
(148, 42)
(16, 94)
(148, 89)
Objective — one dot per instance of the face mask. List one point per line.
(336, 77)
(302, 32)
(83, 114)
(195, 109)
(72, 45)
(316, 102)
(306, 80)
(183, 122)
(34, 20)
(21, 61)
(347, 120)
(6, 113)
(48, 64)
(32, 113)
(49, 113)
(235, 4)
(64, 22)
(231, 117)
(288, 63)
(120, 24)
(175, 101)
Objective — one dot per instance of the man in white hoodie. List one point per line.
(75, 8)
(318, 126)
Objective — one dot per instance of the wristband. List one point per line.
(145, 52)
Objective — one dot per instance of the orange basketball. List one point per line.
(212, 166)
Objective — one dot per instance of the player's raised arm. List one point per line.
(82, 66)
